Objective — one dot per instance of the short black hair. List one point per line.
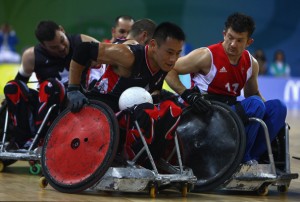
(45, 30)
(168, 29)
(143, 25)
(124, 17)
(240, 22)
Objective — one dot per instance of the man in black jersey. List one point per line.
(49, 60)
(143, 66)
(133, 65)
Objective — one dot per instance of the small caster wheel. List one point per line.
(43, 182)
(35, 169)
(184, 190)
(31, 162)
(153, 191)
(1, 166)
(263, 191)
(282, 188)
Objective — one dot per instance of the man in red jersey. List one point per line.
(220, 71)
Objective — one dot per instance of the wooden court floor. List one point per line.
(17, 184)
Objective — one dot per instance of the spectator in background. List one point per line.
(262, 61)
(121, 28)
(279, 67)
(8, 42)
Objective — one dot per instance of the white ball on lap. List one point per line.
(134, 96)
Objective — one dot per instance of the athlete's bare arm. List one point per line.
(27, 63)
(86, 38)
(118, 55)
(197, 61)
(251, 86)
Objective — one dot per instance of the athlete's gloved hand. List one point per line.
(196, 100)
(76, 98)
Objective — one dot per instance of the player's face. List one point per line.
(167, 53)
(122, 29)
(59, 46)
(235, 43)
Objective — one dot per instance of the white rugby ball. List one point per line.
(134, 96)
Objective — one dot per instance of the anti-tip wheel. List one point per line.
(43, 182)
(1, 166)
(282, 188)
(263, 191)
(184, 190)
(153, 191)
(35, 169)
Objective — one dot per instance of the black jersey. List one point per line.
(47, 66)
(142, 75)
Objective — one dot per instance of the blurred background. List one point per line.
(277, 21)
(277, 25)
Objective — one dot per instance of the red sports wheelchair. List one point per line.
(79, 152)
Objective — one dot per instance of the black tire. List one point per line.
(213, 145)
(6, 162)
(66, 164)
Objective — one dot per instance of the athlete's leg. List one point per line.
(274, 118)
(21, 103)
(254, 107)
(169, 116)
(51, 92)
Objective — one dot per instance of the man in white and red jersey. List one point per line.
(220, 71)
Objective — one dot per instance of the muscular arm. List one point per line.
(197, 61)
(251, 86)
(27, 64)
(115, 54)
(86, 38)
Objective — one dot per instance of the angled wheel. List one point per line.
(80, 147)
(9, 146)
(213, 145)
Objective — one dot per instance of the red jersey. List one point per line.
(223, 77)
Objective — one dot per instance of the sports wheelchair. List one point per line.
(213, 147)
(79, 153)
(10, 152)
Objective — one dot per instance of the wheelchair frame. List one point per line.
(135, 178)
(31, 154)
(259, 177)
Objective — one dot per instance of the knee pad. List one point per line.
(52, 91)
(146, 115)
(15, 90)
